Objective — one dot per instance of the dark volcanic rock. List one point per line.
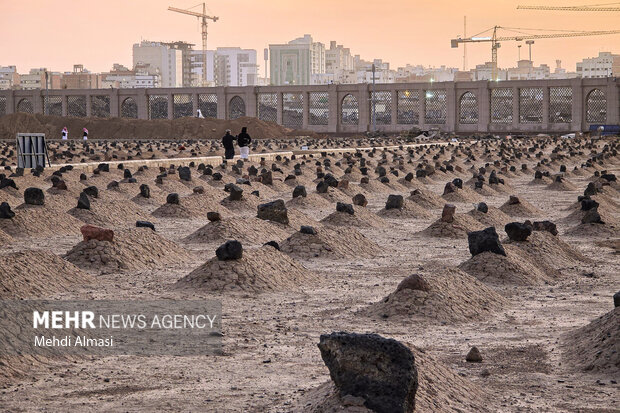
(83, 201)
(230, 250)
(517, 231)
(545, 226)
(347, 208)
(485, 240)
(482, 207)
(274, 211)
(145, 224)
(300, 190)
(172, 198)
(213, 216)
(307, 229)
(360, 200)
(394, 202)
(382, 371)
(5, 211)
(34, 196)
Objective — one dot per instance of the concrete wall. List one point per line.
(533, 106)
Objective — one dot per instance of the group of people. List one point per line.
(65, 133)
(243, 141)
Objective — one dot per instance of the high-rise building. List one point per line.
(295, 62)
(162, 59)
(235, 66)
(80, 78)
(9, 78)
(187, 79)
(338, 58)
(605, 65)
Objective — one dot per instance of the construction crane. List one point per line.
(495, 40)
(591, 7)
(204, 18)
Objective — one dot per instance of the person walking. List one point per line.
(229, 145)
(65, 133)
(85, 136)
(244, 140)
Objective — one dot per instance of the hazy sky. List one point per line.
(58, 33)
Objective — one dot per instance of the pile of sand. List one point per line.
(513, 269)
(261, 269)
(313, 201)
(452, 296)
(117, 128)
(549, 251)
(458, 228)
(596, 346)
(334, 243)
(107, 213)
(466, 195)
(39, 221)
(363, 218)
(561, 186)
(249, 203)
(409, 210)
(5, 239)
(439, 390)
(37, 274)
(427, 199)
(522, 209)
(250, 230)
(174, 211)
(132, 249)
(493, 218)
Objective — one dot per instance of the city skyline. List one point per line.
(399, 25)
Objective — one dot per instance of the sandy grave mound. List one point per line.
(39, 221)
(260, 269)
(409, 210)
(117, 213)
(438, 294)
(374, 186)
(494, 217)
(562, 186)
(513, 269)
(596, 346)
(334, 242)
(312, 201)
(427, 199)
(466, 195)
(541, 181)
(297, 218)
(522, 209)
(549, 250)
(485, 191)
(458, 228)
(593, 230)
(248, 203)
(132, 249)
(363, 218)
(439, 390)
(604, 210)
(37, 274)
(334, 195)
(175, 211)
(250, 230)
(501, 188)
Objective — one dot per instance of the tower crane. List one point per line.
(495, 40)
(204, 17)
(591, 7)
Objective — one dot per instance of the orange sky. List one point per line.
(56, 34)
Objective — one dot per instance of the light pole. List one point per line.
(47, 94)
(372, 100)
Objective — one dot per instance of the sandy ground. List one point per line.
(271, 359)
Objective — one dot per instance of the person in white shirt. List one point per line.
(65, 134)
(85, 134)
